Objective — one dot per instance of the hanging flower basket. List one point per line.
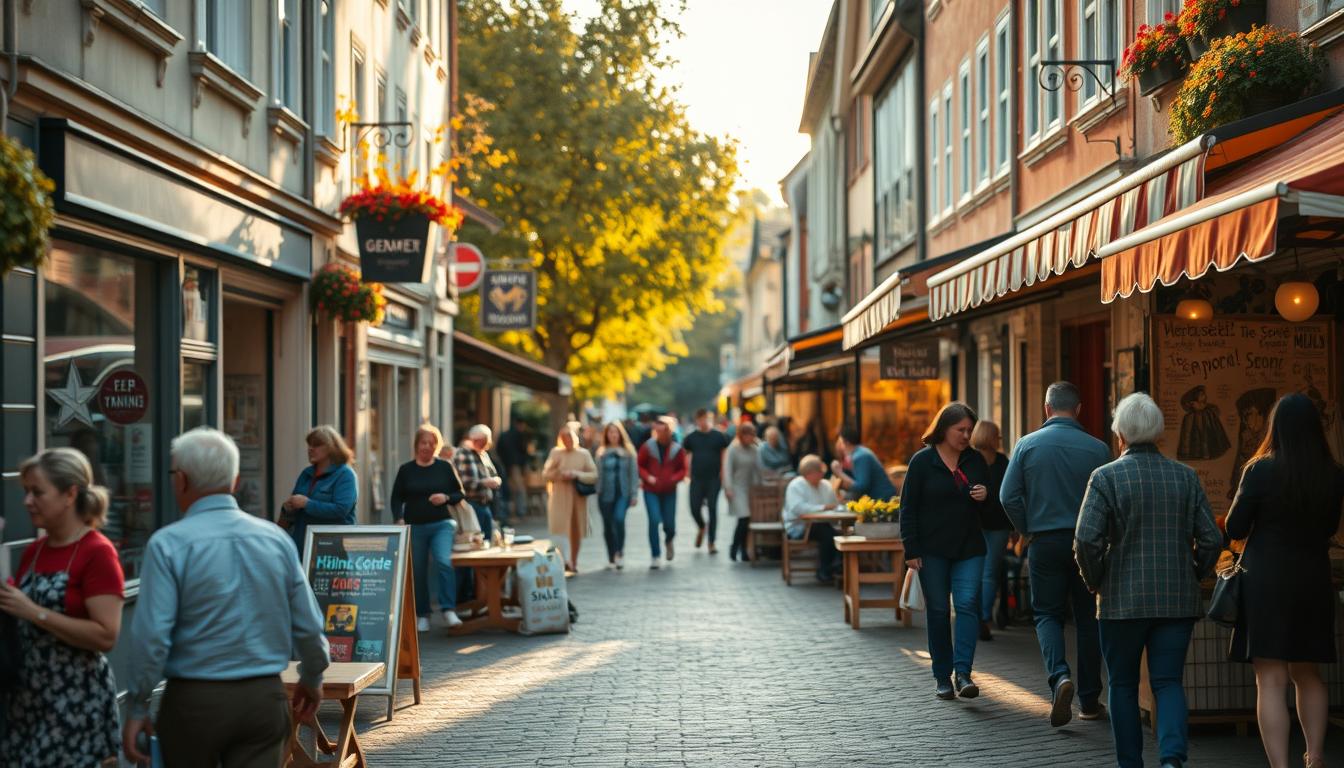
(392, 223)
(1203, 21)
(1156, 57)
(26, 209)
(1243, 75)
(338, 291)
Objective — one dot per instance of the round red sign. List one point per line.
(123, 398)
(468, 266)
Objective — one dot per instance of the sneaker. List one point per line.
(699, 538)
(1061, 711)
(611, 566)
(965, 688)
(713, 550)
(944, 690)
(656, 564)
(669, 550)
(1094, 712)
(451, 619)
(620, 562)
(422, 624)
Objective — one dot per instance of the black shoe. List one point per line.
(732, 553)
(825, 578)
(985, 634)
(1061, 711)
(965, 688)
(1095, 712)
(944, 690)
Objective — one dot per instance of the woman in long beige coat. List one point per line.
(567, 513)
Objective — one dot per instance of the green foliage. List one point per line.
(693, 381)
(607, 191)
(26, 209)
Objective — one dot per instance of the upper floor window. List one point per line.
(325, 103)
(1044, 42)
(858, 136)
(228, 33)
(964, 84)
(894, 161)
(875, 10)
(1098, 39)
(947, 147)
(1003, 92)
(287, 55)
(402, 117)
(935, 161)
(1158, 10)
(982, 102)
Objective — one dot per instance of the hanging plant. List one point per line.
(26, 208)
(338, 291)
(1203, 21)
(382, 198)
(1156, 57)
(392, 223)
(1243, 75)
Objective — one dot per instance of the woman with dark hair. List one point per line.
(1287, 508)
(944, 491)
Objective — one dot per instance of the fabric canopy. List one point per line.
(509, 367)
(873, 313)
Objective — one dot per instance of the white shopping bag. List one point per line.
(541, 593)
(912, 594)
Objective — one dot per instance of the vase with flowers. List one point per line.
(876, 518)
(1156, 57)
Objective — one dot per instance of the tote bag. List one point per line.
(912, 594)
(540, 587)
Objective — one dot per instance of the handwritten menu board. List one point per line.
(1216, 382)
(358, 574)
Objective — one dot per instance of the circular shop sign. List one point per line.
(123, 398)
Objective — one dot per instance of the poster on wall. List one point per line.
(1216, 382)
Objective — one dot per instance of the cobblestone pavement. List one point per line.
(714, 663)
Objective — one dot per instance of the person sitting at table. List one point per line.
(774, 453)
(866, 475)
(805, 495)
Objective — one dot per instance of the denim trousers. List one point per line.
(995, 548)
(1123, 641)
(1056, 585)
(613, 524)
(662, 509)
(956, 582)
(485, 517)
(705, 493)
(433, 541)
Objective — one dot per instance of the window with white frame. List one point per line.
(964, 83)
(325, 101)
(1098, 39)
(228, 33)
(402, 117)
(875, 10)
(1052, 42)
(1158, 10)
(982, 102)
(1003, 91)
(288, 49)
(894, 130)
(1044, 42)
(947, 147)
(935, 157)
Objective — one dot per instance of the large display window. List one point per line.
(896, 411)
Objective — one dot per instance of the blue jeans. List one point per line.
(436, 540)
(662, 509)
(485, 517)
(995, 548)
(1056, 584)
(613, 525)
(957, 582)
(1123, 641)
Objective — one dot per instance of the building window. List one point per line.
(935, 156)
(1158, 10)
(228, 33)
(1045, 42)
(947, 147)
(326, 68)
(875, 10)
(982, 102)
(858, 136)
(1098, 37)
(894, 160)
(964, 76)
(288, 51)
(403, 166)
(1003, 92)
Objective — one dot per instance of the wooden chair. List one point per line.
(767, 501)
(800, 555)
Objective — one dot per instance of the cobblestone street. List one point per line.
(714, 663)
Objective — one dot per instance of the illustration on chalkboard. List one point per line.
(1202, 433)
(1253, 407)
(341, 618)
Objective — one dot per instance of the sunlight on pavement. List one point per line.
(470, 649)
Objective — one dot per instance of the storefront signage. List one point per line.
(910, 360)
(1216, 382)
(123, 398)
(509, 300)
(393, 250)
(398, 316)
(468, 266)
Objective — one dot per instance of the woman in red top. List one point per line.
(68, 597)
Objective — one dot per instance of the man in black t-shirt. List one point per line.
(706, 446)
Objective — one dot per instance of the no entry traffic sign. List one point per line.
(468, 266)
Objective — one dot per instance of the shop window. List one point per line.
(246, 356)
(896, 411)
(100, 378)
(195, 400)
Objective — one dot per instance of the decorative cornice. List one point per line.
(1099, 111)
(136, 22)
(327, 151)
(1326, 31)
(286, 125)
(1053, 140)
(208, 71)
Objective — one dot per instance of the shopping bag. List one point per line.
(468, 525)
(912, 594)
(540, 587)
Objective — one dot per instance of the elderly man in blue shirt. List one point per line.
(223, 606)
(866, 476)
(1042, 493)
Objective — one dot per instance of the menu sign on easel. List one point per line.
(1217, 380)
(360, 575)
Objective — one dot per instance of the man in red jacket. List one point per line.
(662, 467)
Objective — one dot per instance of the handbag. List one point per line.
(584, 489)
(1225, 605)
(468, 525)
(912, 593)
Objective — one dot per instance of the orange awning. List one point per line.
(1237, 219)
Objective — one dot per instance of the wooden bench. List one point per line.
(342, 682)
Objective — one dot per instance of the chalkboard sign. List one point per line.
(910, 360)
(359, 574)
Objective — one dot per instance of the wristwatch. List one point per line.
(41, 617)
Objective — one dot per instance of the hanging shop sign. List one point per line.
(393, 250)
(468, 266)
(123, 397)
(509, 300)
(910, 360)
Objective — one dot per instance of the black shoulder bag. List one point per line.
(1225, 605)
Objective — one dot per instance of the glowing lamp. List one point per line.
(1194, 309)
(1297, 300)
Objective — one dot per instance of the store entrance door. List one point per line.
(1085, 360)
(246, 356)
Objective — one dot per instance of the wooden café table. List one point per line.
(343, 682)
(851, 548)
(492, 566)
(841, 518)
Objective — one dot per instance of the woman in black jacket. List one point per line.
(941, 502)
(424, 494)
(1287, 508)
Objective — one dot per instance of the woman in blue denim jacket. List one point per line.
(327, 489)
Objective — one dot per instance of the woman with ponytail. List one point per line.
(67, 597)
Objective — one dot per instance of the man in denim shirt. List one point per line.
(223, 606)
(1042, 493)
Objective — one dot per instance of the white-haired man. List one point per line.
(223, 606)
(480, 479)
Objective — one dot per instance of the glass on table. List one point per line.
(508, 538)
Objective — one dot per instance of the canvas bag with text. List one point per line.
(540, 586)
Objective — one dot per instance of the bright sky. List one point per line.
(742, 73)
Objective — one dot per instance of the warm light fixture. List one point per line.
(1194, 309)
(1297, 300)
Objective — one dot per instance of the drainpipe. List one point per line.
(11, 48)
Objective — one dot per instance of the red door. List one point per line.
(1085, 360)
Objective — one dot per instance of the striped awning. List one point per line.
(873, 313)
(1068, 239)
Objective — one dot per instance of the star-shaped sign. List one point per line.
(74, 400)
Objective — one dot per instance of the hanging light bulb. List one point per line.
(1297, 300)
(1194, 309)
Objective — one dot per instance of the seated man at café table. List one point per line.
(808, 494)
(867, 476)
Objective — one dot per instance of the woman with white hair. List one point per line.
(479, 477)
(1145, 539)
(569, 465)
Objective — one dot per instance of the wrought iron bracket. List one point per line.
(1074, 73)
(383, 135)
